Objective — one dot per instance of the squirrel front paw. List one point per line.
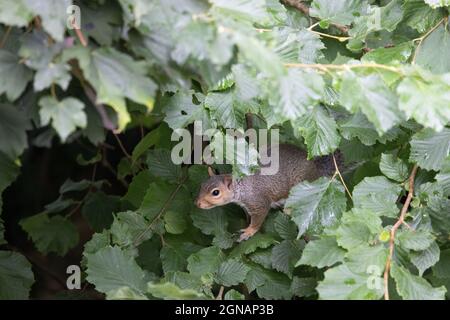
(247, 233)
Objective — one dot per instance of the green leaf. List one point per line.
(370, 95)
(441, 269)
(53, 15)
(226, 109)
(366, 259)
(129, 229)
(377, 194)
(321, 253)
(411, 287)
(319, 131)
(207, 260)
(211, 222)
(175, 254)
(53, 74)
(299, 91)
(399, 53)
(342, 283)
(393, 168)
(231, 272)
(55, 234)
(98, 210)
(124, 293)
(148, 141)
(138, 188)
(285, 255)
(116, 76)
(259, 240)
(65, 115)
(420, 16)
(317, 204)
(110, 268)
(247, 10)
(13, 126)
(429, 149)
(443, 177)
(437, 3)
(432, 50)
(426, 258)
(180, 110)
(233, 295)
(285, 227)
(15, 13)
(14, 76)
(303, 287)
(160, 165)
(16, 276)
(340, 12)
(170, 291)
(422, 100)
(175, 223)
(415, 239)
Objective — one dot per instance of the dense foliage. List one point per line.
(371, 78)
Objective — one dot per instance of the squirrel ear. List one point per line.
(228, 180)
(211, 171)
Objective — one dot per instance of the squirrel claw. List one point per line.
(246, 233)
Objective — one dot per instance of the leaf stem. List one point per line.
(220, 294)
(327, 67)
(337, 172)
(420, 39)
(400, 221)
(5, 37)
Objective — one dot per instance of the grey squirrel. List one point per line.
(256, 194)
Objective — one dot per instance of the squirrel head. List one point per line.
(216, 191)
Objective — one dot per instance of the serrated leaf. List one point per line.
(399, 53)
(377, 194)
(420, 16)
(65, 116)
(98, 210)
(299, 91)
(437, 3)
(285, 255)
(303, 287)
(411, 287)
(124, 293)
(316, 204)
(259, 240)
(415, 239)
(231, 272)
(370, 95)
(320, 132)
(161, 165)
(180, 110)
(14, 76)
(16, 276)
(321, 253)
(426, 258)
(422, 100)
(366, 259)
(285, 227)
(54, 234)
(129, 228)
(429, 149)
(170, 291)
(341, 283)
(340, 12)
(138, 188)
(393, 168)
(207, 260)
(211, 222)
(13, 126)
(233, 295)
(111, 268)
(175, 254)
(441, 269)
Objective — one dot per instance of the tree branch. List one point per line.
(399, 222)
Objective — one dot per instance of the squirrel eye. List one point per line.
(215, 192)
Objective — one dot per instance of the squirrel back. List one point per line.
(265, 189)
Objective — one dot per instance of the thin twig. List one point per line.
(160, 213)
(337, 172)
(399, 222)
(125, 152)
(420, 39)
(326, 67)
(220, 294)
